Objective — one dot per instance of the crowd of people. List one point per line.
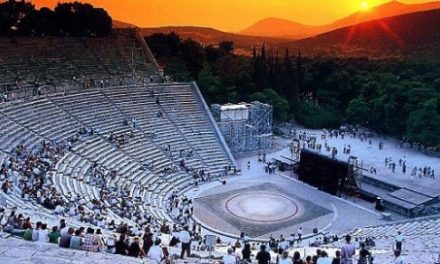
(286, 254)
(147, 242)
(27, 170)
(310, 140)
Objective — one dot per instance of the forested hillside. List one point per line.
(400, 98)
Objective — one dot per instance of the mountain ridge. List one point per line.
(414, 34)
(294, 30)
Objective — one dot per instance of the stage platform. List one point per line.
(262, 204)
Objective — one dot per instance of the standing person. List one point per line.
(347, 251)
(263, 257)
(398, 258)
(291, 240)
(283, 245)
(364, 255)
(398, 240)
(300, 231)
(148, 242)
(246, 252)
(185, 239)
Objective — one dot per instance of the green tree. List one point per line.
(358, 111)
(227, 46)
(280, 105)
(192, 54)
(178, 70)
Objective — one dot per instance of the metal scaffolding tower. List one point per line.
(245, 127)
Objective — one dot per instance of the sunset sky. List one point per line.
(227, 15)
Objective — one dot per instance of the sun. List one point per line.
(364, 5)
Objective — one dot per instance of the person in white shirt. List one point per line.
(283, 245)
(285, 258)
(398, 241)
(229, 259)
(185, 239)
(324, 258)
(43, 237)
(300, 231)
(155, 253)
(291, 240)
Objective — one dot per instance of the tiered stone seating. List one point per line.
(185, 110)
(92, 109)
(40, 116)
(139, 103)
(422, 239)
(13, 134)
(414, 228)
(175, 123)
(41, 59)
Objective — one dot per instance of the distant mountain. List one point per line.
(274, 27)
(120, 24)
(389, 9)
(209, 36)
(415, 34)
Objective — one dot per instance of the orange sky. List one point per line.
(227, 15)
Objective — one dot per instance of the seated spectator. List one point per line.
(337, 259)
(76, 240)
(315, 257)
(63, 227)
(156, 253)
(324, 258)
(54, 235)
(121, 247)
(65, 238)
(135, 249)
(297, 258)
(229, 259)
(27, 224)
(35, 231)
(90, 241)
(43, 237)
(110, 242)
(285, 258)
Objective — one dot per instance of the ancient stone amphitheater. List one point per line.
(82, 93)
